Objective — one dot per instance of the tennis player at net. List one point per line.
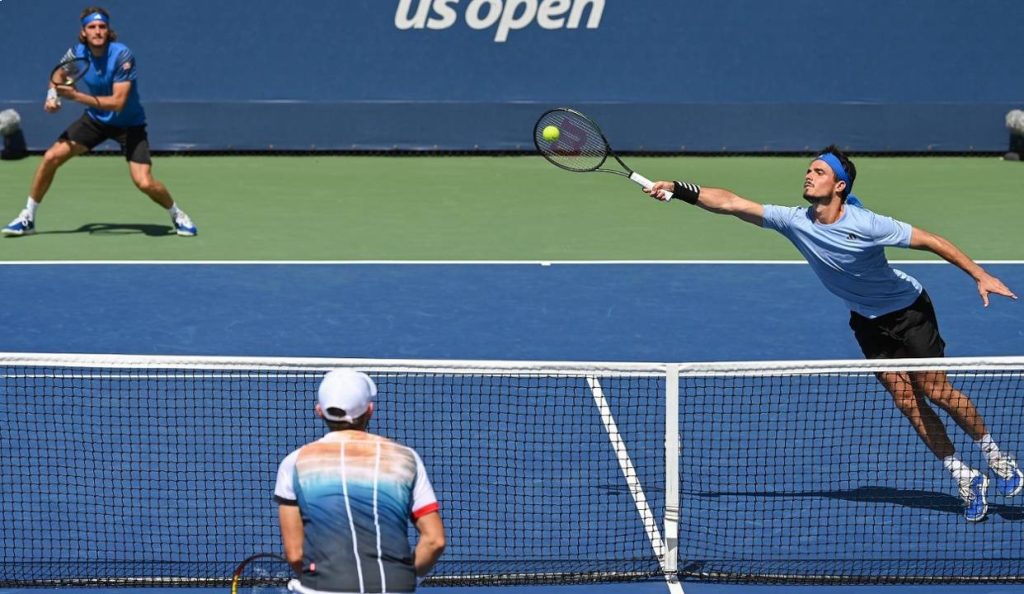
(346, 501)
(891, 314)
(112, 111)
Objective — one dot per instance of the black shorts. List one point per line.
(911, 332)
(89, 133)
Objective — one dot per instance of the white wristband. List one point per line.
(51, 95)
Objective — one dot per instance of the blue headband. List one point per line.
(96, 16)
(837, 167)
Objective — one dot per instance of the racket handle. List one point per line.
(664, 195)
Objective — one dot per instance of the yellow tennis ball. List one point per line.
(551, 133)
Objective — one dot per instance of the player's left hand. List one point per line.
(990, 284)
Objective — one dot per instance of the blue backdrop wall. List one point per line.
(665, 75)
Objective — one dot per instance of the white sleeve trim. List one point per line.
(285, 487)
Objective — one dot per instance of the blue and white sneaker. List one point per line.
(183, 225)
(973, 490)
(22, 225)
(1008, 477)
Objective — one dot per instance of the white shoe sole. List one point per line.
(9, 233)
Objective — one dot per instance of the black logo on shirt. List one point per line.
(852, 237)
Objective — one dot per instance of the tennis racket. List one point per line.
(581, 146)
(70, 70)
(263, 573)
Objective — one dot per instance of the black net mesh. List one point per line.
(166, 476)
(158, 474)
(819, 477)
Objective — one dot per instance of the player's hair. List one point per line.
(359, 423)
(111, 34)
(847, 164)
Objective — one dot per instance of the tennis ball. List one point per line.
(551, 133)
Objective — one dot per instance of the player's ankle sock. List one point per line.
(173, 210)
(989, 448)
(30, 206)
(958, 469)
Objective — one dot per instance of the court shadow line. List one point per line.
(928, 500)
(116, 229)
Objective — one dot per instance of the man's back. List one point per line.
(357, 493)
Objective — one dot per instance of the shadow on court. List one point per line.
(117, 229)
(926, 500)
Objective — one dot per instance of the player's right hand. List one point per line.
(656, 190)
(51, 106)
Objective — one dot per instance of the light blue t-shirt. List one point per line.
(849, 255)
(117, 65)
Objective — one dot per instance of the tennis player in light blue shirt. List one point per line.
(849, 255)
(890, 312)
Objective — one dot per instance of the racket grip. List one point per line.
(664, 195)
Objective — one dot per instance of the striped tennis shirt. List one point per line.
(357, 493)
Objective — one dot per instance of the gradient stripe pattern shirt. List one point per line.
(357, 493)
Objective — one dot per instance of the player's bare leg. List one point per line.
(142, 176)
(55, 156)
(937, 388)
(909, 392)
(914, 406)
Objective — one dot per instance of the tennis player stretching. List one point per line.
(891, 314)
(347, 499)
(112, 110)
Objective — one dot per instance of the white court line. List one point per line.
(632, 481)
(446, 262)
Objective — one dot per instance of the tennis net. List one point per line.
(123, 470)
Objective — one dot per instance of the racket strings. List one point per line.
(580, 145)
(264, 576)
(69, 71)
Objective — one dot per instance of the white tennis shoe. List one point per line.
(1009, 479)
(974, 492)
(21, 225)
(183, 225)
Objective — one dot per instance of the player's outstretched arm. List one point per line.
(716, 200)
(942, 247)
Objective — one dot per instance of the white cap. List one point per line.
(350, 391)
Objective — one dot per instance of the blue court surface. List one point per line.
(616, 312)
(565, 312)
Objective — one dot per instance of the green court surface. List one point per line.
(481, 208)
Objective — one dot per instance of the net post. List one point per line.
(670, 561)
